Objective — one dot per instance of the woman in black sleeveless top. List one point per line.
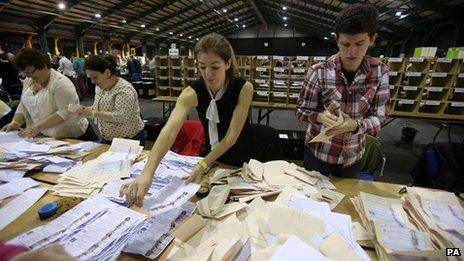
(222, 101)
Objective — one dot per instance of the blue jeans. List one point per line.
(310, 162)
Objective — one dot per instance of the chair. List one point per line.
(191, 139)
(373, 161)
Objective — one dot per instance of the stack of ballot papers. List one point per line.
(19, 155)
(154, 236)
(256, 179)
(395, 236)
(439, 213)
(87, 179)
(167, 190)
(96, 229)
(293, 226)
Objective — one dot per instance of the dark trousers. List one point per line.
(310, 162)
(89, 135)
(141, 136)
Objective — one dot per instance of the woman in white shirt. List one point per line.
(44, 101)
(116, 108)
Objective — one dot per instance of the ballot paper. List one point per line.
(94, 229)
(154, 237)
(323, 136)
(172, 196)
(19, 205)
(16, 187)
(9, 137)
(7, 175)
(295, 249)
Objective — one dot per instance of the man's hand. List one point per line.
(136, 190)
(327, 118)
(348, 125)
(29, 132)
(195, 176)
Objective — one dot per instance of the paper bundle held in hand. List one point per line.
(323, 136)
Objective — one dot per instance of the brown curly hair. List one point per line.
(357, 18)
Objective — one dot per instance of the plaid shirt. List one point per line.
(366, 101)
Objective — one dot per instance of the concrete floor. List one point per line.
(401, 157)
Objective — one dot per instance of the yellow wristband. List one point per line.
(94, 112)
(203, 164)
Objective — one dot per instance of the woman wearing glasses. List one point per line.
(44, 101)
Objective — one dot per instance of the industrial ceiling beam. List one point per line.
(258, 13)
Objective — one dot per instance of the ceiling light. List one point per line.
(97, 15)
(61, 6)
(124, 21)
(332, 33)
(398, 13)
(284, 8)
(170, 32)
(243, 26)
(285, 18)
(285, 25)
(403, 16)
(142, 25)
(224, 10)
(157, 29)
(181, 35)
(190, 37)
(326, 38)
(197, 39)
(236, 19)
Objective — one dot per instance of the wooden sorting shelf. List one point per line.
(446, 65)
(441, 79)
(396, 64)
(278, 97)
(431, 107)
(459, 80)
(260, 95)
(409, 92)
(279, 85)
(414, 79)
(418, 65)
(395, 77)
(454, 108)
(406, 105)
(456, 94)
(427, 88)
(435, 93)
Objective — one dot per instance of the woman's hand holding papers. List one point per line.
(195, 176)
(136, 190)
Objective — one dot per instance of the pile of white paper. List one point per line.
(292, 226)
(87, 179)
(95, 229)
(258, 179)
(154, 237)
(20, 154)
(395, 236)
(439, 213)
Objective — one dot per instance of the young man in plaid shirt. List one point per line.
(349, 83)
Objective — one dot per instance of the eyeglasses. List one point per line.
(23, 74)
